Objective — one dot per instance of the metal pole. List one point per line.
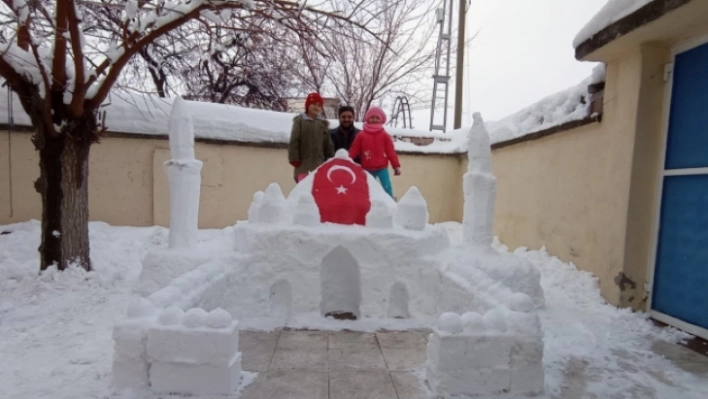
(460, 64)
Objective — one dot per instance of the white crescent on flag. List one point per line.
(340, 167)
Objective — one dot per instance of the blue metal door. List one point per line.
(681, 275)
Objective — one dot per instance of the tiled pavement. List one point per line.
(350, 365)
(341, 365)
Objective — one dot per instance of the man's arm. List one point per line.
(328, 146)
(294, 146)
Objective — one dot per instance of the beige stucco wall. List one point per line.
(564, 192)
(588, 194)
(24, 170)
(128, 186)
(5, 198)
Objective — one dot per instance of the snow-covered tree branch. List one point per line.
(63, 58)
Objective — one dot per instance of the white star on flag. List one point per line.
(341, 190)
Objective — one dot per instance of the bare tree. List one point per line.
(361, 71)
(234, 61)
(235, 67)
(62, 80)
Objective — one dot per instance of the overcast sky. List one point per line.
(522, 53)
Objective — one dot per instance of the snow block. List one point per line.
(487, 358)
(307, 213)
(527, 380)
(166, 297)
(281, 300)
(412, 210)
(470, 382)
(130, 337)
(274, 208)
(464, 351)
(398, 301)
(194, 379)
(455, 294)
(200, 345)
(181, 131)
(140, 308)
(380, 215)
(185, 179)
(203, 287)
(255, 205)
(478, 218)
(479, 150)
(130, 374)
(163, 265)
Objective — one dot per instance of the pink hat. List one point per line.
(375, 111)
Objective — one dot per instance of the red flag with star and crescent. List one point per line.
(341, 192)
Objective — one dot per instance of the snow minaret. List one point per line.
(184, 175)
(479, 186)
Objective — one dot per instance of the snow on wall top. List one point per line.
(612, 12)
(566, 106)
(142, 114)
(149, 115)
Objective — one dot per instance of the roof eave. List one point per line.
(643, 16)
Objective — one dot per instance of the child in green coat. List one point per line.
(310, 142)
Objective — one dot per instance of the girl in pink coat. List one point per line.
(375, 147)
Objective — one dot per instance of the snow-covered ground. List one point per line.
(55, 328)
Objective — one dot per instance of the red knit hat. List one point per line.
(313, 98)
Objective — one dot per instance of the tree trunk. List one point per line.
(63, 185)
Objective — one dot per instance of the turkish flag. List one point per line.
(341, 192)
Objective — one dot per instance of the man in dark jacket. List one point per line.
(343, 135)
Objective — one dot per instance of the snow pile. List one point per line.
(566, 106)
(498, 353)
(612, 12)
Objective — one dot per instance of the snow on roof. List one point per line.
(566, 106)
(149, 115)
(612, 12)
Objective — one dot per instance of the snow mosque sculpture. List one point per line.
(338, 249)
